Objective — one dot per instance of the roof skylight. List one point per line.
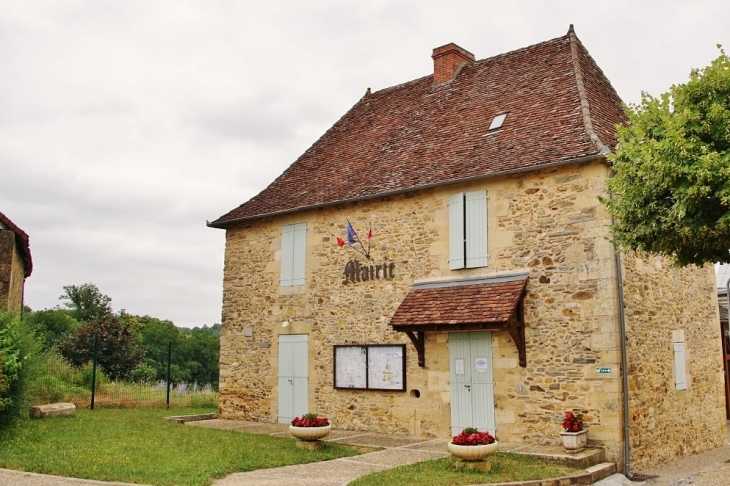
(498, 121)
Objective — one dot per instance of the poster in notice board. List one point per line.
(370, 367)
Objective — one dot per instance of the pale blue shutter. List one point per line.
(293, 249)
(476, 229)
(456, 231)
(680, 372)
(287, 255)
(300, 246)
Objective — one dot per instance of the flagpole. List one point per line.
(367, 255)
(349, 245)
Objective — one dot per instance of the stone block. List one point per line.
(53, 410)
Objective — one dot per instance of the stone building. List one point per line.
(15, 264)
(439, 259)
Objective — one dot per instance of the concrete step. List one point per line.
(181, 419)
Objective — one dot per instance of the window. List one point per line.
(680, 371)
(468, 230)
(498, 121)
(293, 243)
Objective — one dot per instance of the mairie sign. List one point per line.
(603, 371)
(355, 272)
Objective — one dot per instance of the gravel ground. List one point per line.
(708, 469)
(20, 478)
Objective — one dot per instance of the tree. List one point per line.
(671, 185)
(50, 325)
(86, 301)
(118, 347)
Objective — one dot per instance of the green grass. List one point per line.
(131, 445)
(505, 468)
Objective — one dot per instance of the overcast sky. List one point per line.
(124, 125)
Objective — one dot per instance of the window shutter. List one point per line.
(476, 229)
(287, 255)
(300, 246)
(456, 231)
(680, 372)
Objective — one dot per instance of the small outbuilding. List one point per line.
(15, 264)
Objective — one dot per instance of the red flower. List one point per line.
(573, 423)
(471, 436)
(310, 420)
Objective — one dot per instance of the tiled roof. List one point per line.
(417, 135)
(491, 300)
(23, 242)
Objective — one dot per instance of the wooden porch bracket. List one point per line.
(517, 332)
(420, 343)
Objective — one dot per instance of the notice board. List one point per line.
(370, 367)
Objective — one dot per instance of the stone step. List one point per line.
(181, 419)
(584, 459)
(52, 410)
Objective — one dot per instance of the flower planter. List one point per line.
(473, 452)
(310, 433)
(574, 441)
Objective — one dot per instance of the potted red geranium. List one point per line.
(574, 436)
(472, 445)
(309, 427)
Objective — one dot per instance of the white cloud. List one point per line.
(124, 125)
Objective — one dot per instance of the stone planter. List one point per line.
(473, 452)
(310, 433)
(574, 441)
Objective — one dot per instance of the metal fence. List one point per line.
(87, 387)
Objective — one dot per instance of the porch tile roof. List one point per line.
(489, 301)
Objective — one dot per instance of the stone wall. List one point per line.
(664, 305)
(548, 222)
(12, 274)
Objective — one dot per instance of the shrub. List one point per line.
(19, 350)
(143, 373)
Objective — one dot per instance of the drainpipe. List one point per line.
(624, 356)
(624, 364)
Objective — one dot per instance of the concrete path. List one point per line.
(397, 451)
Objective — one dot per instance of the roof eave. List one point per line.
(578, 160)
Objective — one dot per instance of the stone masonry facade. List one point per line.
(548, 222)
(12, 274)
(664, 305)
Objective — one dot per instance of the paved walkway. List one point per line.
(397, 451)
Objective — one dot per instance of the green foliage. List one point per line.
(672, 171)
(19, 350)
(143, 373)
(50, 325)
(194, 351)
(86, 301)
(119, 350)
(11, 360)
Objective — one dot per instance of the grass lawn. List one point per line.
(506, 467)
(136, 445)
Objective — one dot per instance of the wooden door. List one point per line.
(293, 378)
(471, 381)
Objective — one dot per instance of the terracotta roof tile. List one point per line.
(418, 135)
(479, 303)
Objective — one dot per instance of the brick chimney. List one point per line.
(447, 60)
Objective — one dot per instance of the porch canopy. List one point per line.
(486, 303)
